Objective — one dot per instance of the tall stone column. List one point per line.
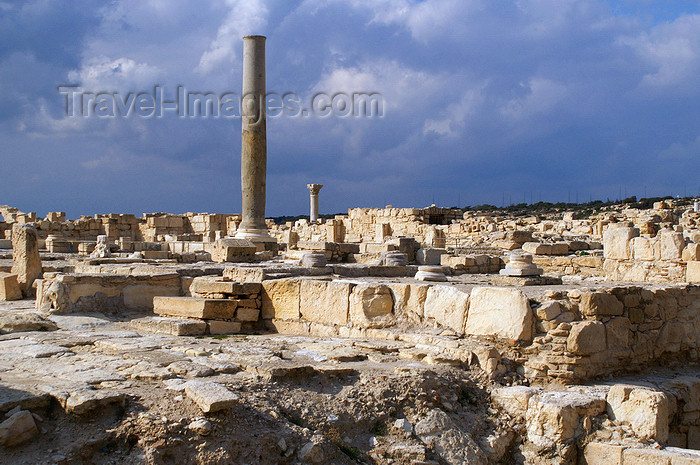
(254, 142)
(313, 191)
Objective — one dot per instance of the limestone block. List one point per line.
(560, 248)
(670, 245)
(549, 310)
(325, 302)
(17, 429)
(210, 396)
(616, 242)
(618, 333)
(598, 453)
(140, 296)
(190, 307)
(692, 274)
(502, 312)
(215, 285)
(429, 256)
(537, 248)
(691, 252)
(371, 306)
(247, 314)
(447, 306)
(409, 300)
(9, 287)
(600, 304)
(25, 255)
(231, 250)
(586, 338)
(642, 248)
(646, 410)
(280, 299)
(513, 399)
(223, 327)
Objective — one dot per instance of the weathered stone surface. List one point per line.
(692, 274)
(18, 429)
(646, 410)
(232, 250)
(437, 430)
(616, 242)
(280, 299)
(16, 322)
(618, 333)
(447, 306)
(25, 255)
(409, 300)
(325, 302)
(670, 245)
(190, 307)
(537, 248)
(9, 287)
(209, 285)
(174, 326)
(586, 338)
(86, 400)
(210, 396)
(597, 453)
(500, 312)
(223, 327)
(513, 399)
(371, 306)
(600, 304)
(247, 314)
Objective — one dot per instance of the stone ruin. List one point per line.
(395, 335)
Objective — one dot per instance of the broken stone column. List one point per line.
(520, 264)
(314, 190)
(101, 249)
(25, 254)
(254, 142)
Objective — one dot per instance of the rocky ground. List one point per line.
(100, 392)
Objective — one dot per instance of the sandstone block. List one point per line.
(598, 453)
(600, 304)
(586, 338)
(501, 312)
(692, 273)
(513, 399)
(280, 299)
(447, 306)
(429, 256)
(642, 248)
(549, 310)
(409, 300)
(231, 250)
(670, 245)
(618, 333)
(616, 242)
(646, 410)
(9, 287)
(537, 248)
(223, 327)
(208, 285)
(371, 305)
(691, 252)
(247, 314)
(325, 302)
(190, 307)
(210, 396)
(560, 248)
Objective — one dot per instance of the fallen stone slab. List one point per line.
(9, 287)
(18, 429)
(210, 396)
(19, 322)
(190, 307)
(87, 400)
(172, 326)
(24, 397)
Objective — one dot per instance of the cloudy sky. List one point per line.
(484, 101)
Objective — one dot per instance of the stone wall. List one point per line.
(566, 335)
(664, 257)
(104, 293)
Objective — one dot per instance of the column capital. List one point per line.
(314, 188)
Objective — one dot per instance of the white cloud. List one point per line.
(102, 74)
(245, 17)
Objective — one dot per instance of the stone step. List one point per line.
(191, 307)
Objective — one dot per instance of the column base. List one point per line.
(260, 237)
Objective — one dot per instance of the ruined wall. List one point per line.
(629, 256)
